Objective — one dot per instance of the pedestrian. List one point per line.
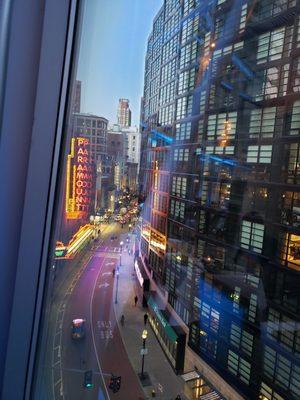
(178, 397)
(113, 272)
(145, 319)
(135, 300)
(122, 320)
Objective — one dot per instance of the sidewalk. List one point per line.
(164, 381)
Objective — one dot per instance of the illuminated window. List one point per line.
(270, 46)
(184, 107)
(239, 367)
(221, 127)
(259, 154)
(291, 251)
(183, 131)
(252, 236)
(179, 186)
(273, 83)
(267, 393)
(295, 123)
(241, 339)
(262, 122)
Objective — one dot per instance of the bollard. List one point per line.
(153, 393)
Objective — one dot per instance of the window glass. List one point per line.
(177, 212)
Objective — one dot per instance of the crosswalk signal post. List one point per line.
(88, 379)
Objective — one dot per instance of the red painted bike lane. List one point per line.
(110, 348)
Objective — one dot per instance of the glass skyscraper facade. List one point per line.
(220, 171)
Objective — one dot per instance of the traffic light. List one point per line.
(88, 379)
(115, 383)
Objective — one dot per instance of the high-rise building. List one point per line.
(94, 128)
(220, 166)
(124, 113)
(133, 144)
(77, 97)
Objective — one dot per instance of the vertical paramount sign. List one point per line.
(80, 179)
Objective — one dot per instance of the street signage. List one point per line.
(144, 352)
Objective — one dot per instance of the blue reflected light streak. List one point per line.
(242, 66)
(207, 157)
(161, 136)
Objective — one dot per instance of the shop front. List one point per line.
(197, 387)
(142, 278)
(170, 335)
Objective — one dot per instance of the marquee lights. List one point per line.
(79, 183)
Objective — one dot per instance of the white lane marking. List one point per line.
(106, 273)
(58, 332)
(93, 334)
(103, 285)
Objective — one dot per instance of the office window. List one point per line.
(177, 209)
(222, 127)
(186, 81)
(188, 54)
(183, 131)
(170, 48)
(241, 339)
(189, 5)
(184, 107)
(270, 46)
(179, 186)
(262, 122)
(259, 154)
(273, 82)
(181, 154)
(295, 122)
(189, 28)
(296, 76)
(169, 71)
(224, 150)
(166, 115)
(238, 366)
(252, 236)
(167, 93)
(269, 393)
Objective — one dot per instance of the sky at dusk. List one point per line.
(112, 54)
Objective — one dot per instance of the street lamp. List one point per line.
(144, 337)
(117, 286)
(95, 221)
(121, 244)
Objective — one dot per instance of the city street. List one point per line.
(90, 296)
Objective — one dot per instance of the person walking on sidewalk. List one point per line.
(135, 300)
(113, 272)
(145, 319)
(122, 320)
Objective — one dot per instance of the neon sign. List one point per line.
(80, 180)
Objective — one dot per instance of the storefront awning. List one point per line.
(167, 327)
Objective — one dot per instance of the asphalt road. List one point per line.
(90, 296)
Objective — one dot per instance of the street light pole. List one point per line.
(121, 244)
(144, 337)
(117, 287)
